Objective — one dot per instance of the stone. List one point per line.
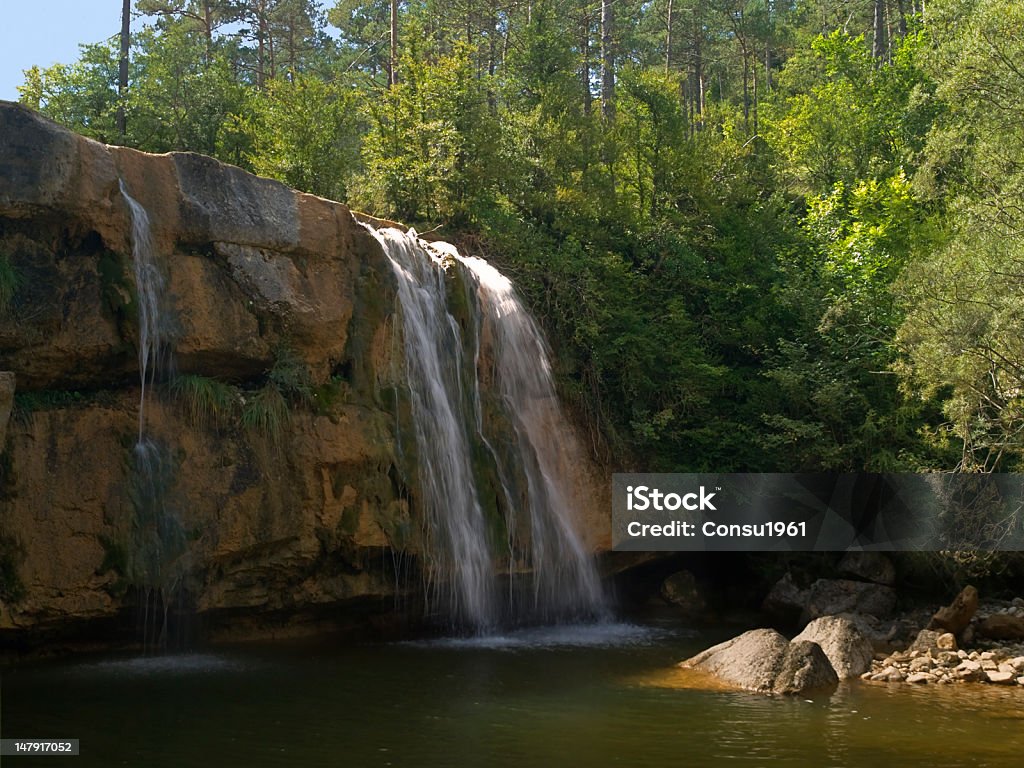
(681, 590)
(926, 640)
(920, 664)
(1001, 678)
(805, 667)
(785, 602)
(921, 677)
(827, 597)
(957, 615)
(868, 566)
(1002, 626)
(848, 651)
(946, 642)
(762, 660)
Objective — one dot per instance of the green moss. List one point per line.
(118, 293)
(28, 403)
(10, 280)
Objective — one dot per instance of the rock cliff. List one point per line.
(303, 511)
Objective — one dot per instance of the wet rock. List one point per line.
(762, 660)
(868, 566)
(1002, 626)
(848, 650)
(921, 677)
(681, 590)
(805, 667)
(957, 615)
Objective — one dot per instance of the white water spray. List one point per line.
(449, 428)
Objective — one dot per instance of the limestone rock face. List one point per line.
(762, 660)
(319, 514)
(848, 650)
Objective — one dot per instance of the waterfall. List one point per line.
(150, 286)
(159, 547)
(510, 366)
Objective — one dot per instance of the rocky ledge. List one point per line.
(292, 495)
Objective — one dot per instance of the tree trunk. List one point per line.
(668, 38)
(585, 64)
(607, 60)
(122, 67)
(393, 56)
(901, 24)
(878, 26)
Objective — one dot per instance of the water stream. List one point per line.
(158, 552)
(467, 540)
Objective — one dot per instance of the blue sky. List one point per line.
(45, 32)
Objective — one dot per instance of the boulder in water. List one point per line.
(763, 661)
(848, 650)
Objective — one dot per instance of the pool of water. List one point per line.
(597, 696)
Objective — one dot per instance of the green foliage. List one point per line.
(207, 401)
(779, 215)
(266, 412)
(9, 282)
(82, 96)
(291, 377)
(304, 132)
(27, 402)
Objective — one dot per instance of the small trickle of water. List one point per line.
(150, 285)
(158, 552)
(450, 430)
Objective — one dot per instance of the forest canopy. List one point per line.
(762, 235)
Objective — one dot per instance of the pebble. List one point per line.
(1000, 677)
(946, 662)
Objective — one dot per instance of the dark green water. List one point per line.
(598, 697)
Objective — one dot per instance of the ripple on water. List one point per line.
(165, 665)
(610, 635)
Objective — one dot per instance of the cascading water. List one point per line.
(462, 559)
(159, 547)
(150, 286)
(564, 578)
(451, 433)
